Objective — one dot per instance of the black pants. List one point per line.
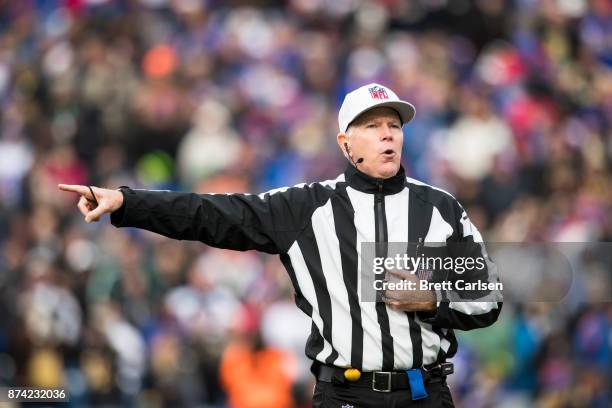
(330, 395)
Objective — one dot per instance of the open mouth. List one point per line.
(389, 153)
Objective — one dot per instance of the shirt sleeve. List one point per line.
(268, 222)
(470, 309)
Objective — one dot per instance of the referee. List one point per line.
(389, 352)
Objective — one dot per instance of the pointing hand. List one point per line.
(95, 201)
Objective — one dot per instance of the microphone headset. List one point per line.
(355, 163)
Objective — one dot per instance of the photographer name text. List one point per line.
(458, 285)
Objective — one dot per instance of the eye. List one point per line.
(371, 125)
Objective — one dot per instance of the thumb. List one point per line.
(95, 214)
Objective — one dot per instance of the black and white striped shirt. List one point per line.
(318, 230)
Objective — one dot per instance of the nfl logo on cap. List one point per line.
(378, 92)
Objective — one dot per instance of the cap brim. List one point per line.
(404, 109)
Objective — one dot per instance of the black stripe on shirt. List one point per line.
(347, 238)
(380, 223)
(452, 339)
(310, 251)
(419, 220)
(315, 341)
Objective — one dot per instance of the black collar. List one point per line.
(367, 184)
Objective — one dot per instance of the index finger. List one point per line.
(74, 188)
(392, 302)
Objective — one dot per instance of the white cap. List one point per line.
(368, 97)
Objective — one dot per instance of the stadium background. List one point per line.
(514, 110)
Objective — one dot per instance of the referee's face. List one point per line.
(376, 136)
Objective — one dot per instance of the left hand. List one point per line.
(410, 300)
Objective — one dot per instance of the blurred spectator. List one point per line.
(255, 375)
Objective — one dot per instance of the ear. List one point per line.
(341, 139)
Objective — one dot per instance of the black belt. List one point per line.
(382, 381)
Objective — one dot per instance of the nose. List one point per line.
(386, 133)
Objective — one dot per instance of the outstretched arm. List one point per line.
(268, 222)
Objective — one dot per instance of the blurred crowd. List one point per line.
(514, 117)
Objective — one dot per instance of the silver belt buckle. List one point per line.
(381, 374)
